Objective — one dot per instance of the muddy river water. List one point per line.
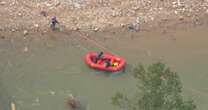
(41, 73)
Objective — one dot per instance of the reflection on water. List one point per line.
(49, 71)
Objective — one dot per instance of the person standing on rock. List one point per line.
(53, 23)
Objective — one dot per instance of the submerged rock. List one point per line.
(52, 92)
(73, 103)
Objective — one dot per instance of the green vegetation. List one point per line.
(158, 89)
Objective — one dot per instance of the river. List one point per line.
(40, 72)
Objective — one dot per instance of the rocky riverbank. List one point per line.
(25, 15)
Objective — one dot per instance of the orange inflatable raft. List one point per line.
(116, 63)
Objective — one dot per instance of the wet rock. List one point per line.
(25, 49)
(96, 29)
(122, 25)
(25, 32)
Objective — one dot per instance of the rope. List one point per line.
(80, 33)
(77, 40)
(86, 37)
(95, 43)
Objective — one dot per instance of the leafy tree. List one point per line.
(158, 89)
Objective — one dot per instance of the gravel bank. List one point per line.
(97, 14)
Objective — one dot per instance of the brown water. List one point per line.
(43, 77)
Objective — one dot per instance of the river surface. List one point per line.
(41, 72)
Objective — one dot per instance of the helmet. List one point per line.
(115, 64)
(53, 17)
